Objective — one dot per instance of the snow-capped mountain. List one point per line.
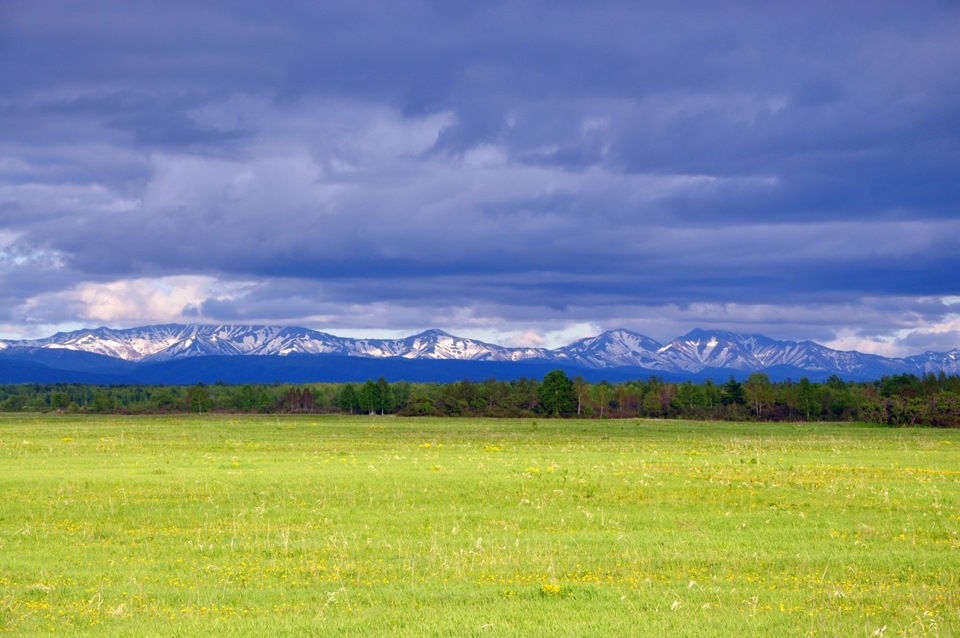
(172, 341)
(699, 351)
(436, 344)
(702, 349)
(935, 362)
(613, 349)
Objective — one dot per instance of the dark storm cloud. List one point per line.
(412, 163)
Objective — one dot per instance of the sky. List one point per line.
(522, 172)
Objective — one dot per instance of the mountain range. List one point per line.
(178, 354)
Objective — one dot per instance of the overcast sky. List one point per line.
(526, 173)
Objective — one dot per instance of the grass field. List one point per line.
(307, 526)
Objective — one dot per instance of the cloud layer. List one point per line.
(524, 172)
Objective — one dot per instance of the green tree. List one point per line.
(807, 403)
(557, 396)
(167, 399)
(102, 402)
(580, 389)
(691, 395)
(14, 403)
(524, 396)
(198, 399)
(401, 394)
(59, 400)
(369, 397)
(384, 396)
(712, 394)
(603, 392)
(944, 410)
(349, 400)
(758, 391)
(653, 402)
(246, 399)
(732, 393)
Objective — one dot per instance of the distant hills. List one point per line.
(185, 354)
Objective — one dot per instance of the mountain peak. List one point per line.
(701, 334)
(433, 333)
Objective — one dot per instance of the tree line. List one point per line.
(898, 400)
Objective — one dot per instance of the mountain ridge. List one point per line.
(695, 353)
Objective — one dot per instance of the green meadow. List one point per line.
(379, 526)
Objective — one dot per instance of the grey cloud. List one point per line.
(283, 219)
(919, 342)
(538, 162)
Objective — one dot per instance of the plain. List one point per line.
(381, 526)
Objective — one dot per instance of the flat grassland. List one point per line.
(316, 526)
